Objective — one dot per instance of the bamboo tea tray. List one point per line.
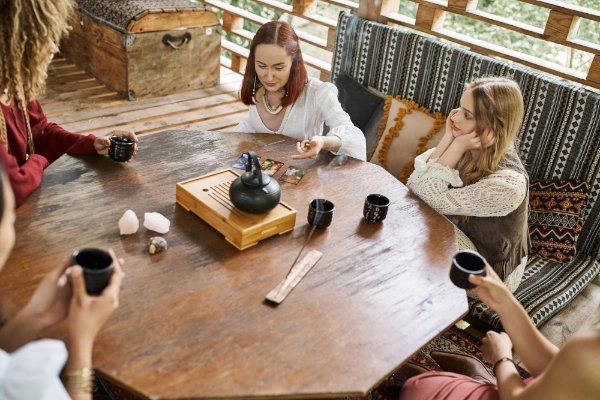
(208, 197)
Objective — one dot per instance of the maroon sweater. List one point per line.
(50, 140)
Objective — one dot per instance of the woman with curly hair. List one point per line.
(29, 143)
(284, 100)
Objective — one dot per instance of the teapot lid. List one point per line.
(251, 179)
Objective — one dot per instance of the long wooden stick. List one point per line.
(296, 260)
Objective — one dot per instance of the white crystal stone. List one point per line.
(156, 222)
(128, 224)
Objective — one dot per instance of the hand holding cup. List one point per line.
(97, 266)
(492, 291)
(88, 313)
(118, 145)
(464, 264)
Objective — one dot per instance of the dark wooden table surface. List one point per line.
(193, 322)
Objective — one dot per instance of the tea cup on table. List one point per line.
(376, 207)
(97, 266)
(320, 213)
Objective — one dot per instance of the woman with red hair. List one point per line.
(284, 100)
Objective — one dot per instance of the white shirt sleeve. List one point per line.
(244, 126)
(440, 186)
(340, 125)
(32, 372)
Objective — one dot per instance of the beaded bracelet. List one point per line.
(502, 360)
(80, 381)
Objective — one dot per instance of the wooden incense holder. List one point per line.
(284, 288)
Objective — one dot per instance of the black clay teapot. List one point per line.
(254, 192)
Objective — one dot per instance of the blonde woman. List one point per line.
(476, 178)
(566, 374)
(29, 143)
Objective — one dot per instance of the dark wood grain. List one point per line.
(193, 321)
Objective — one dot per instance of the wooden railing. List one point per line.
(561, 28)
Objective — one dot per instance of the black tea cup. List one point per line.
(121, 148)
(465, 263)
(320, 213)
(376, 207)
(97, 268)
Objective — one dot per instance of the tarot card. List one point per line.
(270, 167)
(293, 175)
(242, 161)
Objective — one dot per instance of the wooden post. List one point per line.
(463, 5)
(304, 7)
(561, 26)
(238, 63)
(331, 33)
(594, 72)
(429, 18)
(232, 22)
(374, 9)
(324, 76)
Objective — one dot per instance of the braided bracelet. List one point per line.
(502, 360)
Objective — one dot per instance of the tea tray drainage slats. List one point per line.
(208, 197)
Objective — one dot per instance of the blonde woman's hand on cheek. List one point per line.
(88, 313)
(495, 346)
(309, 148)
(487, 139)
(102, 144)
(449, 124)
(49, 304)
(467, 142)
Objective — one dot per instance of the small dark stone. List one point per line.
(157, 244)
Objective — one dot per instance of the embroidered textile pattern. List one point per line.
(555, 217)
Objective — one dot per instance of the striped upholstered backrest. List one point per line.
(560, 135)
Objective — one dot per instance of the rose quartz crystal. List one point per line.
(129, 224)
(156, 222)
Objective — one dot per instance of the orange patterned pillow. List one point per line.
(406, 131)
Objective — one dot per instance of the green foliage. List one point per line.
(255, 8)
(525, 13)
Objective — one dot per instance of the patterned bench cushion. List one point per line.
(559, 137)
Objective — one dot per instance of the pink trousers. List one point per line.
(448, 386)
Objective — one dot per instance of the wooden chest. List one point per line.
(145, 52)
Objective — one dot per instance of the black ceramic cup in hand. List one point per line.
(98, 267)
(320, 213)
(376, 207)
(465, 263)
(121, 148)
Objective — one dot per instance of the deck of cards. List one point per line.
(293, 175)
(270, 167)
